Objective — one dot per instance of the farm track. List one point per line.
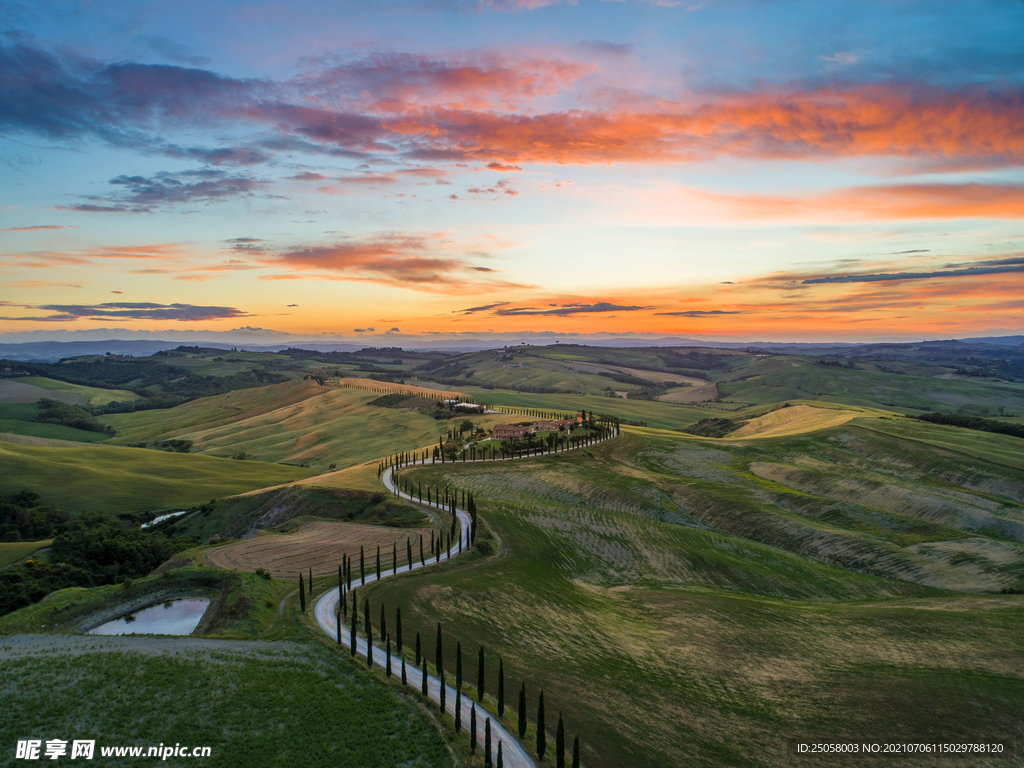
(326, 611)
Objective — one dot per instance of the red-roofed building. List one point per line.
(509, 432)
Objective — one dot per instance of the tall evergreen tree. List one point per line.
(472, 729)
(369, 633)
(362, 565)
(438, 655)
(398, 629)
(501, 759)
(458, 666)
(341, 586)
(501, 687)
(422, 561)
(443, 692)
(378, 562)
(405, 680)
(576, 752)
(408, 552)
(383, 621)
(302, 595)
(387, 666)
(542, 741)
(480, 677)
(487, 744)
(394, 558)
(423, 678)
(522, 711)
(338, 622)
(418, 649)
(560, 743)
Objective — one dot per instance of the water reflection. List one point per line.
(171, 617)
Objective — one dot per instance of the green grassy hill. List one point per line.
(698, 602)
(295, 422)
(116, 479)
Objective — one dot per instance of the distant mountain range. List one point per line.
(50, 351)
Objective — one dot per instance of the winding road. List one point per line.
(513, 755)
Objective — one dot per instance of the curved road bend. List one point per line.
(513, 754)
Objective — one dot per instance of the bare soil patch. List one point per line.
(318, 545)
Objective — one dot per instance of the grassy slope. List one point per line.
(301, 702)
(295, 422)
(15, 551)
(18, 419)
(779, 379)
(93, 395)
(669, 645)
(113, 478)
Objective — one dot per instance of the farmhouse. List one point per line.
(469, 408)
(509, 432)
(545, 425)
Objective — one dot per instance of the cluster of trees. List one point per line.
(974, 422)
(57, 412)
(23, 518)
(88, 550)
(712, 427)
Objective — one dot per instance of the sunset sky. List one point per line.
(737, 170)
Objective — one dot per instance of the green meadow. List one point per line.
(117, 479)
(681, 609)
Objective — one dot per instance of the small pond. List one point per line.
(171, 617)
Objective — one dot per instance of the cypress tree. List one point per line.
(338, 621)
(560, 743)
(341, 592)
(387, 666)
(431, 541)
(398, 629)
(501, 760)
(355, 626)
(302, 595)
(423, 690)
(438, 656)
(394, 558)
(417, 649)
(443, 692)
(458, 710)
(487, 744)
(378, 562)
(408, 552)
(480, 677)
(362, 565)
(369, 633)
(422, 561)
(472, 730)
(576, 752)
(542, 742)
(458, 666)
(501, 687)
(404, 680)
(522, 711)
